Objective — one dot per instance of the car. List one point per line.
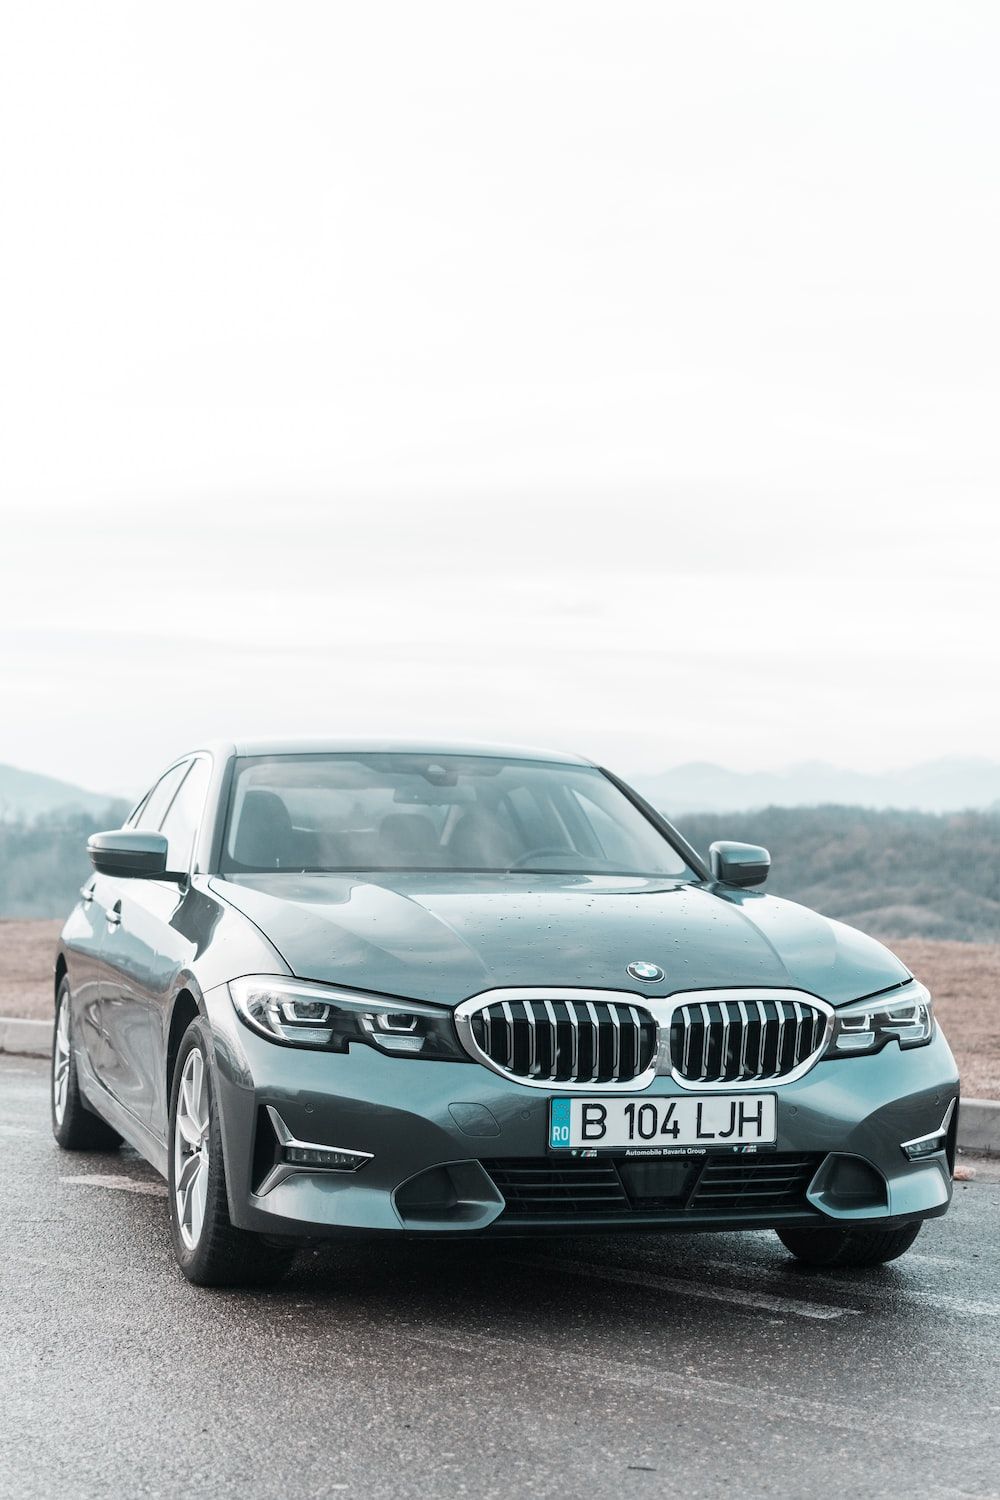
(382, 988)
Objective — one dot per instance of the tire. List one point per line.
(848, 1247)
(75, 1127)
(210, 1250)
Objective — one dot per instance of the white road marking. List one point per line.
(966, 1306)
(574, 1367)
(118, 1184)
(754, 1300)
(951, 1261)
(961, 1305)
(772, 1263)
(937, 1492)
(946, 1301)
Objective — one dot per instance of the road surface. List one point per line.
(595, 1367)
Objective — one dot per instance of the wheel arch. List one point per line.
(185, 1009)
(60, 972)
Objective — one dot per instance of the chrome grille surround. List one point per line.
(605, 1041)
(733, 1039)
(615, 1041)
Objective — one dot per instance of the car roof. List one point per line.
(380, 744)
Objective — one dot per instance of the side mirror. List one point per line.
(124, 851)
(739, 864)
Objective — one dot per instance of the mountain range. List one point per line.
(919, 869)
(952, 784)
(27, 795)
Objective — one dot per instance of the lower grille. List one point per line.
(568, 1190)
(730, 1184)
(721, 1186)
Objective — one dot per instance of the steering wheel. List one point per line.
(538, 853)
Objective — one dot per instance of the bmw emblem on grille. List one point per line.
(648, 973)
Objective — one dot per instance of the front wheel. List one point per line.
(210, 1250)
(848, 1247)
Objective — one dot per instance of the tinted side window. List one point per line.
(183, 816)
(151, 813)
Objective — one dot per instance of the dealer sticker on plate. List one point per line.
(666, 1124)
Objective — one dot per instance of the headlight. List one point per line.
(319, 1015)
(905, 1016)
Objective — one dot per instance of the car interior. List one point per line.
(509, 816)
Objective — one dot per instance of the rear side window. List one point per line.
(184, 815)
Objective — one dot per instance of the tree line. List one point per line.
(891, 873)
(43, 860)
(894, 874)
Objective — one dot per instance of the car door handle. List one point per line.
(115, 915)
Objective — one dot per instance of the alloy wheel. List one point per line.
(191, 1149)
(60, 1063)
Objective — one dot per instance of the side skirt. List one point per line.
(138, 1135)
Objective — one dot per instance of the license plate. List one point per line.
(665, 1124)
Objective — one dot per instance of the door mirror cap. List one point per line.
(739, 864)
(125, 851)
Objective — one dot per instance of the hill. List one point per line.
(26, 795)
(894, 874)
(949, 785)
(44, 862)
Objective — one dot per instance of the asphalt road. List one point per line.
(626, 1366)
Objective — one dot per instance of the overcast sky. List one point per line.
(619, 377)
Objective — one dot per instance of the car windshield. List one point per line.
(437, 812)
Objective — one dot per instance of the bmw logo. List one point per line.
(648, 973)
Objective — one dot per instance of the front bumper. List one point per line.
(429, 1127)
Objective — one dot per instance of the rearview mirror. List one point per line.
(127, 852)
(739, 864)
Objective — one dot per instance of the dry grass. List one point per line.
(964, 979)
(27, 954)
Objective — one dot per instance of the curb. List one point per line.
(978, 1119)
(979, 1126)
(25, 1038)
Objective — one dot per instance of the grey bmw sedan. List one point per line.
(363, 988)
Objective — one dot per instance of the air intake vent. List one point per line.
(723, 1187)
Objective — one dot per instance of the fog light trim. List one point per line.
(923, 1146)
(297, 1156)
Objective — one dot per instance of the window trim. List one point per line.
(192, 760)
(137, 810)
(676, 840)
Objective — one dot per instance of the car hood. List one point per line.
(444, 937)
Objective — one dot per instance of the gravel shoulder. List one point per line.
(964, 979)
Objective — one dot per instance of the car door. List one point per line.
(173, 919)
(84, 937)
(130, 967)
